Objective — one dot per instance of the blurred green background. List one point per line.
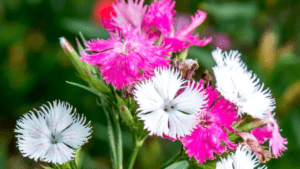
(34, 68)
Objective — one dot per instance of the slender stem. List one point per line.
(73, 164)
(111, 138)
(136, 144)
(119, 144)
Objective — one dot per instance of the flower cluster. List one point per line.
(141, 38)
(202, 116)
(146, 58)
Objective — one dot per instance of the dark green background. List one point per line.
(34, 68)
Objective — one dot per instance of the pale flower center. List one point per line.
(54, 138)
(125, 47)
(168, 106)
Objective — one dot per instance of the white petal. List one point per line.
(241, 159)
(49, 135)
(191, 100)
(241, 86)
(161, 111)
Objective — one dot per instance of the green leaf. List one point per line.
(184, 164)
(102, 96)
(202, 55)
(82, 37)
(85, 26)
(111, 138)
(78, 158)
(79, 46)
(231, 11)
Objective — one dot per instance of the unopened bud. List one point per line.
(126, 115)
(65, 45)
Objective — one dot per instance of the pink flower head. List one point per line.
(271, 132)
(125, 60)
(184, 38)
(131, 13)
(160, 15)
(208, 136)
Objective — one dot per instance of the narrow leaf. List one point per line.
(102, 96)
(184, 164)
(111, 138)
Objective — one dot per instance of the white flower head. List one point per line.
(53, 133)
(241, 86)
(241, 159)
(164, 111)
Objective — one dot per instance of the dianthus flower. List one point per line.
(210, 134)
(125, 58)
(241, 86)
(157, 21)
(160, 15)
(53, 134)
(271, 132)
(241, 159)
(164, 110)
(124, 14)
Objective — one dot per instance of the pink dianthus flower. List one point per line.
(160, 15)
(157, 21)
(131, 13)
(125, 58)
(184, 37)
(207, 137)
(271, 132)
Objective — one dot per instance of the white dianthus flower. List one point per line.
(241, 159)
(241, 86)
(52, 134)
(165, 110)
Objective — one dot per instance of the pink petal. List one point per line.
(160, 15)
(120, 61)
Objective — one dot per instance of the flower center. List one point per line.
(125, 47)
(54, 139)
(168, 106)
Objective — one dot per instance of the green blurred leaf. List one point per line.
(100, 132)
(88, 29)
(78, 158)
(202, 55)
(233, 10)
(285, 73)
(184, 164)
(89, 89)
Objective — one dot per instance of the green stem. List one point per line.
(111, 138)
(73, 164)
(136, 144)
(119, 144)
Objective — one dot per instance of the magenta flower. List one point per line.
(124, 59)
(271, 132)
(208, 136)
(185, 38)
(160, 15)
(157, 21)
(131, 13)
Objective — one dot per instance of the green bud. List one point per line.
(126, 115)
